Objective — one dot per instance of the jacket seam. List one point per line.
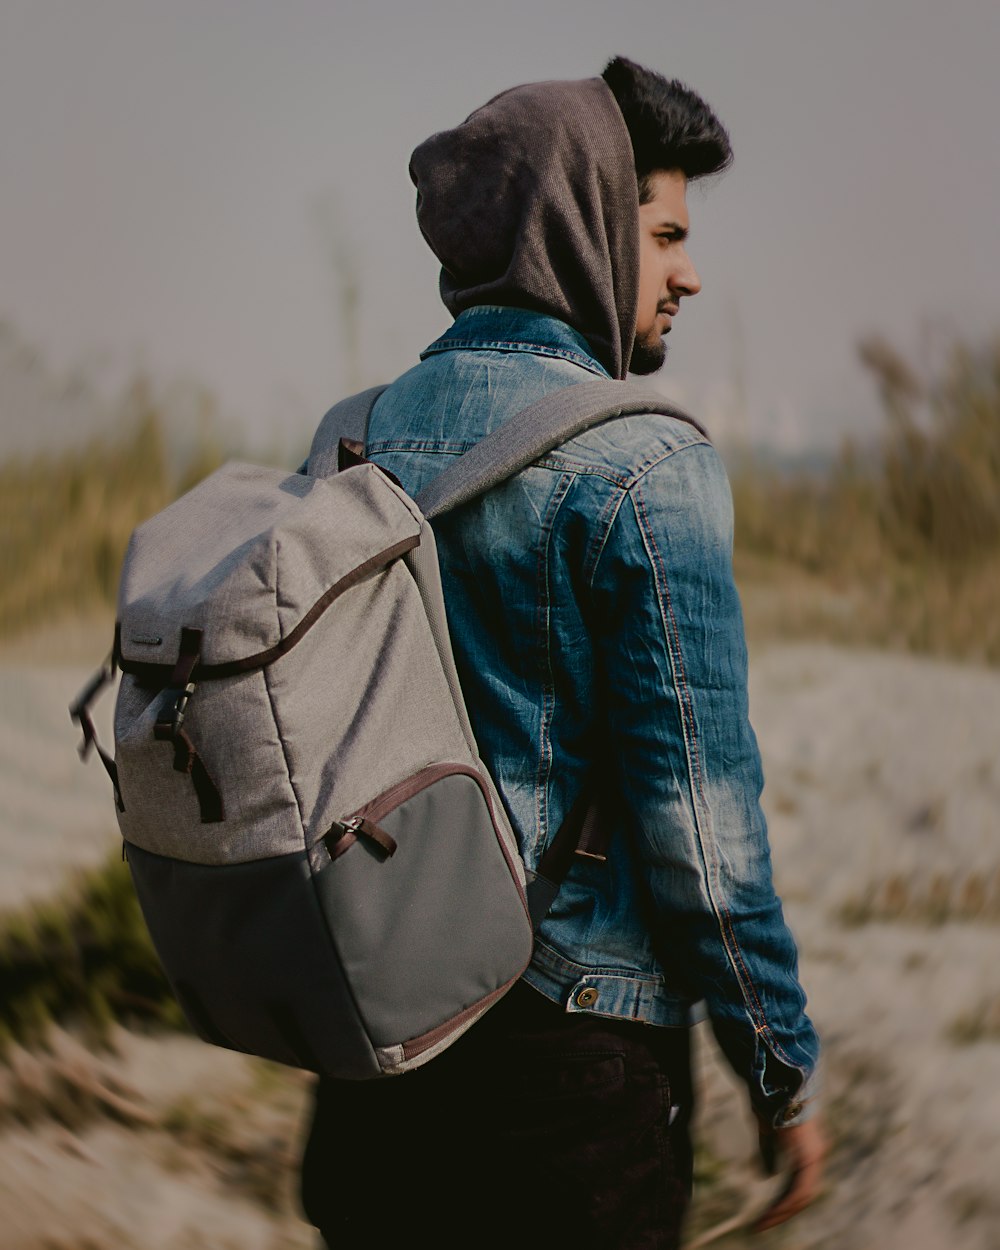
(625, 479)
(542, 624)
(609, 513)
(688, 727)
(511, 347)
(643, 469)
(435, 445)
(563, 463)
(626, 486)
(653, 979)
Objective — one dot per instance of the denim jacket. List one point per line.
(596, 626)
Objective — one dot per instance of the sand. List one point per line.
(883, 798)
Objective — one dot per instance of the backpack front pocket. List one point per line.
(429, 932)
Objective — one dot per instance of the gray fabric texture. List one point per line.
(365, 704)
(348, 419)
(540, 427)
(533, 203)
(361, 700)
(364, 701)
(247, 553)
(249, 955)
(434, 925)
(423, 565)
(232, 725)
(517, 443)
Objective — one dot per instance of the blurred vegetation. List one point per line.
(961, 896)
(84, 960)
(67, 515)
(981, 1024)
(899, 545)
(896, 544)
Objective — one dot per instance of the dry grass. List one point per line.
(972, 1204)
(901, 547)
(67, 517)
(65, 1082)
(243, 1134)
(260, 1161)
(935, 899)
(981, 1024)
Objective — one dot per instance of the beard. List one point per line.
(648, 354)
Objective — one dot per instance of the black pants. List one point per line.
(538, 1128)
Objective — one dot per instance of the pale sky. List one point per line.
(178, 174)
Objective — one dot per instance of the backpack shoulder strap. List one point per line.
(348, 419)
(535, 430)
(516, 444)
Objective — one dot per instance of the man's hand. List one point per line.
(803, 1148)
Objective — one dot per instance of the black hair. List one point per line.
(671, 127)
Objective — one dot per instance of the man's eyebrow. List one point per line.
(679, 232)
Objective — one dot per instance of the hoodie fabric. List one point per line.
(533, 203)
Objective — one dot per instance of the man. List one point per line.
(598, 635)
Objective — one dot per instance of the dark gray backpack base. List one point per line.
(254, 964)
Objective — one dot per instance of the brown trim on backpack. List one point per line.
(351, 453)
(79, 711)
(417, 1045)
(171, 718)
(187, 760)
(583, 831)
(344, 833)
(338, 840)
(389, 799)
(232, 668)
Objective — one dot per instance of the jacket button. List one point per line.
(586, 997)
(790, 1112)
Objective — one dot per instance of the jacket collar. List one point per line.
(491, 327)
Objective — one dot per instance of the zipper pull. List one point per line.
(368, 829)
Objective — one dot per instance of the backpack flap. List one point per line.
(250, 556)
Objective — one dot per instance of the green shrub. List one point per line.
(83, 960)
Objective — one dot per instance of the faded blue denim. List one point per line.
(592, 609)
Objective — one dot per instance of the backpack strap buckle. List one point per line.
(180, 686)
(170, 722)
(180, 707)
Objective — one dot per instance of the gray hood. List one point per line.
(533, 203)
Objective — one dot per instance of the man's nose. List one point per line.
(684, 280)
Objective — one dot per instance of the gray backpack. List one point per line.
(325, 866)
